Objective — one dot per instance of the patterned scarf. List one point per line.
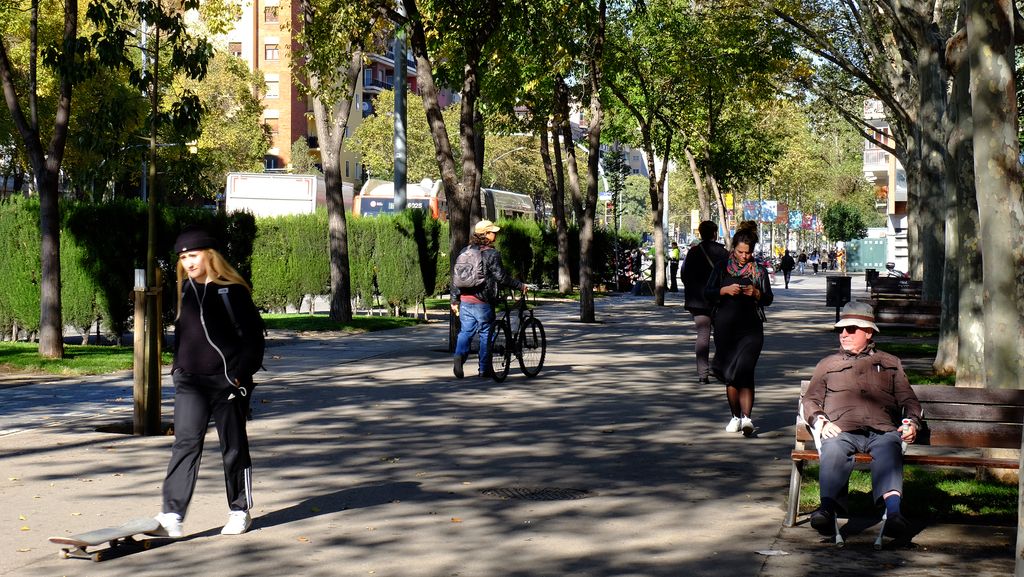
(749, 270)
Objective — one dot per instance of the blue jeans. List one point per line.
(475, 318)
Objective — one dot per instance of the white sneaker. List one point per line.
(238, 523)
(733, 426)
(747, 426)
(170, 526)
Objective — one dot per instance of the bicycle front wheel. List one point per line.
(531, 347)
(500, 356)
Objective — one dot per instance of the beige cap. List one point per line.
(485, 226)
(857, 314)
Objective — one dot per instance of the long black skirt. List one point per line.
(739, 337)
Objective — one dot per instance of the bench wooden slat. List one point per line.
(937, 460)
(965, 395)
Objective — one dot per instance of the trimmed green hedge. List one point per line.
(101, 245)
(286, 258)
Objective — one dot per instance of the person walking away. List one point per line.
(218, 346)
(739, 288)
(475, 305)
(814, 260)
(673, 266)
(860, 401)
(700, 260)
(786, 265)
(801, 263)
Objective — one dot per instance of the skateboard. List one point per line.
(117, 537)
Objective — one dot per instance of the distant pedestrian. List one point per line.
(786, 266)
(673, 266)
(801, 263)
(739, 288)
(218, 346)
(700, 260)
(815, 261)
(475, 306)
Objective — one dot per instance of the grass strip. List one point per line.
(939, 494)
(78, 359)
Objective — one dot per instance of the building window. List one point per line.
(367, 77)
(270, 14)
(273, 125)
(235, 48)
(270, 52)
(273, 89)
(347, 168)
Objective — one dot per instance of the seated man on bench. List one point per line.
(855, 402)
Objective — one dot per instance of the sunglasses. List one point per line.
(848, 330)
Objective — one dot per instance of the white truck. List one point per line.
(270, 194)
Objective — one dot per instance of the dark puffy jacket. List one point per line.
(697, 270)
(497, 278)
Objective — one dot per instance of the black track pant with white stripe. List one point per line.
(196, 399)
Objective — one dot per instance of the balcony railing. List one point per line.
(875, 158)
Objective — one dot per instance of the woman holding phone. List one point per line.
(738, 289)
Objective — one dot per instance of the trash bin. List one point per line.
(870, 275)
(837, 291)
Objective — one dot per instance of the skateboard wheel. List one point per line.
(63, 554)
(97, 556)
(147, 544)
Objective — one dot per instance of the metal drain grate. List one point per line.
(538, 493)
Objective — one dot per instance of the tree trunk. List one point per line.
(997, 176)
(562, 93)
(722, 210)
(703, 201)
(655, 182)
(558, 211)
(45, 168)
(331, 124)
(467, 140)
(457, 219)
(933, 82)
(587, 312)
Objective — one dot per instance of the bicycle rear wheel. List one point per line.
(531, 347)
(500, 351)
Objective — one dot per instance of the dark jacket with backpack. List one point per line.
(497, 278)
(700, 260)
(213, 339)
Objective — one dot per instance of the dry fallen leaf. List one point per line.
(22, 518)
(303, 539)
(25, 528)
(456, 520)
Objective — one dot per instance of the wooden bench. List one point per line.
(897, 302)
(959, 423)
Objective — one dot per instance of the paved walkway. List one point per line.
(372, 459)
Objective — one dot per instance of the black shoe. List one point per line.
(457, 366)
(824, 522)
(898, 527)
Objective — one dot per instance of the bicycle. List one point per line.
(529, 346)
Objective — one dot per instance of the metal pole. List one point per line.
(401, 173)
(151, 399)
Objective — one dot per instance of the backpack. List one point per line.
(468, 271)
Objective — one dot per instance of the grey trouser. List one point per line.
(702, 319)
(837, 463)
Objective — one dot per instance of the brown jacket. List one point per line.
(864, 391)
